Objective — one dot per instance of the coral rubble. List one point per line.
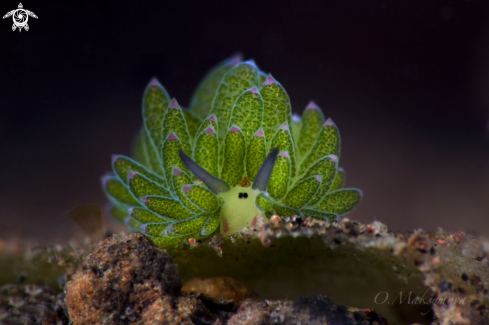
(127, 279)
(277, 272)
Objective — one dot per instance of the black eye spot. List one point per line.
(240, 195)
(245, 195)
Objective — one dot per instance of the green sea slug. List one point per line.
(235, 154)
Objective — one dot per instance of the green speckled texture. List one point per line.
(166, 241)
(170, 149)
(169, 208)
(118, 191)
(180, 179)
(122, 165)
(327, 143)
(237, 116)
(155, 103)
(326, 167)
(328, 216)
(145, 216)
(211, 120)
(255, 154)
(174, 121)
(202, 197)
(248, 113)
(211, 225)
(312, 122)
(283, 140)
(241, 77)
(234, 155)
(285, 211)
(279, 180)
(296, 128)
(206, 150)
(193, 122)
(264, 203)
(190, 226)
(156, 229)
(140, 186)
(302, 192)
(153, 156)
(277, 108)
(340, 201)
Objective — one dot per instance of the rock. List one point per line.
(251, 313)
(225, 288)
(124, 276)
(312, 310)
(408, 278)
(127, 280)
(31, 304)
(457, 271)
(177, 310)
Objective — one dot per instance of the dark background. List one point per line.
(405, 81)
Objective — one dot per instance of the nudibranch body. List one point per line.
(237, 153)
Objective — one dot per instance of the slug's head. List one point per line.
(239, 207)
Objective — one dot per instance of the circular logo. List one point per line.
(20, 17)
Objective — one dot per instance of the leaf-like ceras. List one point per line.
(237, 153)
